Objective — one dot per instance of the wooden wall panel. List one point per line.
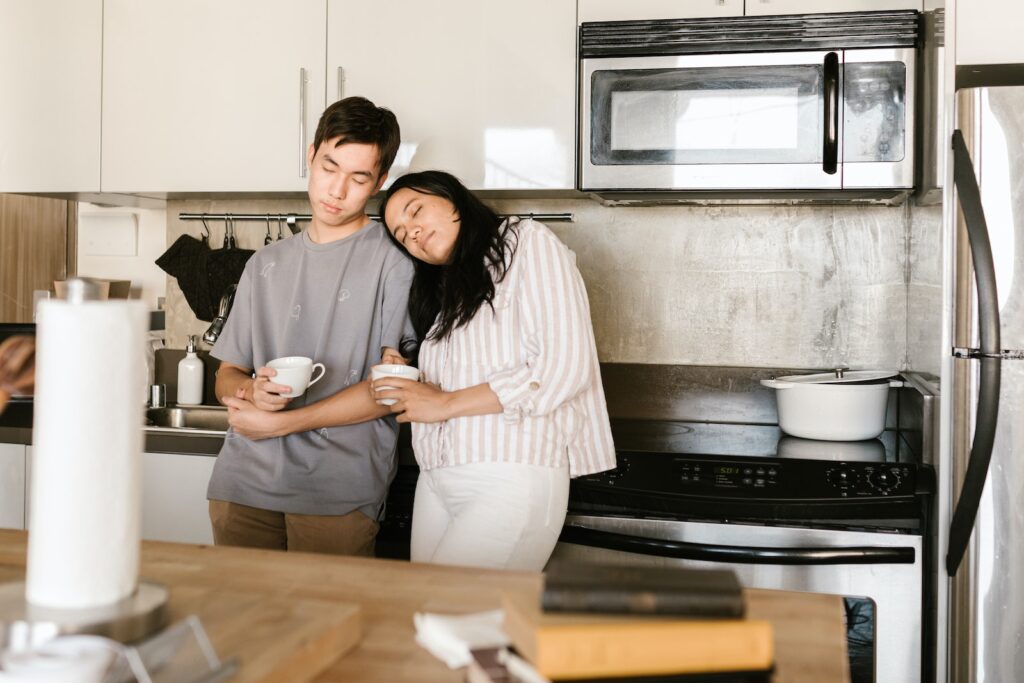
(33, 250)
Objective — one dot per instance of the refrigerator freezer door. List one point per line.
(1000, 545)
(999, 531)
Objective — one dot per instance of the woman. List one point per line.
(511, 404)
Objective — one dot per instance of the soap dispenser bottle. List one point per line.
(190, 375)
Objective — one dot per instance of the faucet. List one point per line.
(211, 335)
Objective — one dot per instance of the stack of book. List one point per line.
(632, 623)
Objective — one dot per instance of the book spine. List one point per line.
(652, 648)
(643, 602)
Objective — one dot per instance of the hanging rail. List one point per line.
(292, 218)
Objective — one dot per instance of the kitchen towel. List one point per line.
(87, 437)
(203, 274)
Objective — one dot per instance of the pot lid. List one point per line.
(841, 376)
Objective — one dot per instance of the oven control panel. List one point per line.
(760, 478)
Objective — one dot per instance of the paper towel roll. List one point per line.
(84, 523)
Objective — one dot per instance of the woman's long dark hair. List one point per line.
(451, 294)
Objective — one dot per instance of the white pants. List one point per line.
(495, 514)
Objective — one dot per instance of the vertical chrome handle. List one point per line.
(302, 122)
(341, 83)
(830, 152)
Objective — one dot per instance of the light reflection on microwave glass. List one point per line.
(764, 118)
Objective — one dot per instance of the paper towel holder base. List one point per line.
(24, 625)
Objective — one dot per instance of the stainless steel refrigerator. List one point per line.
(982, 532)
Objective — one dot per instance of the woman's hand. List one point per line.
(415, 401)
(265, 394)
(251, 421)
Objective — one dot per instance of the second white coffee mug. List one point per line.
(295, 372)
(388, 370)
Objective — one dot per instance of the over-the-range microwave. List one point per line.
(797, 103)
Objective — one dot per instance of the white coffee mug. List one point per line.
(388, 370)
(295, 372)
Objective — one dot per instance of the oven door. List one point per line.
(884, 568)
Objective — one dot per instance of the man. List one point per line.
(337, 293)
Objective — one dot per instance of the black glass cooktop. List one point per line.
(752, 441)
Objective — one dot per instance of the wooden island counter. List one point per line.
(810, 636)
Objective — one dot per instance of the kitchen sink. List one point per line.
(193, 419)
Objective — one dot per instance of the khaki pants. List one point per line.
(249, 527)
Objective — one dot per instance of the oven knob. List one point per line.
(841, 479)
(884, 480)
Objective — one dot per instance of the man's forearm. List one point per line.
(349, 406)
(229, 380)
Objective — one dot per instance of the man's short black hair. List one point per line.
(357, 119)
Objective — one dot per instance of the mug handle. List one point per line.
(323, 371)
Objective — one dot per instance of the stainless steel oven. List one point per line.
(805, 102)
(852, 519)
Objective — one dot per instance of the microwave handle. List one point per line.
(830, 155)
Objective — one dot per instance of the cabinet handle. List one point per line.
(302, 122)
(341, 83)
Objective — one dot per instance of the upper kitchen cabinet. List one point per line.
(203, 96)
(617, 10)
(484, 90)
(766, 7)
(989, 32)
(50, 53)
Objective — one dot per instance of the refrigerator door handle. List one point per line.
(990, 355)
(710, 552)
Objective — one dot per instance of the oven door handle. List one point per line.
(709, 552)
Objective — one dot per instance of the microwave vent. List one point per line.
(716, 35)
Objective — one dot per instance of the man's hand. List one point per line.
(250, 421)
(389, 356)
(265, 394)
(17, 367)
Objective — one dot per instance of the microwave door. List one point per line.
(739, 121)
(878, 118)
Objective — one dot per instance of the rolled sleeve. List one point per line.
(556, 332)
(396, 328)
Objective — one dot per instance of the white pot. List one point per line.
(832, 408)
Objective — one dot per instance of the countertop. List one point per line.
(809, 632)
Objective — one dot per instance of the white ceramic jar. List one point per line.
(830, 407)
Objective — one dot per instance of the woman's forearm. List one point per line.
(475, 400)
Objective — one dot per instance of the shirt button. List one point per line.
(534, 386)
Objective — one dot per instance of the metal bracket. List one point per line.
(1006, 354)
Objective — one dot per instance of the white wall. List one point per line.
(148, 281)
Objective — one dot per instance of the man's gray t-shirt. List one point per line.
(339, 304)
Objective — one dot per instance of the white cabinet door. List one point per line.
(12, 486)
(484, 90)
(760, 7)
(617, 10)
(206, 96)
(174, 506)
(989, 32)
(50, 53)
